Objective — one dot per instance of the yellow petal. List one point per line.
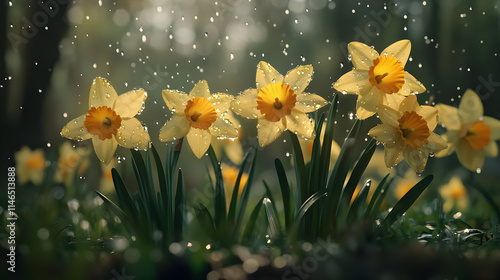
(221, 102)
(200, 90)
(416, 158)
(245, 104)
(393, 100)
(362, 56)
(389, 116)
(468, 157)
(130, 103)
(429, 114)
(223, 129)
(309, 102)
(385, 134)
(132, 134)
(400, 50)
(75, 129)
(299, 78)
(102, 93)
(436, 143)
(266, 74)
(175, 100)
(494, 125)
(371, 101)
(104, 149)
(175, 128)
(300, 124)
(471, 107)
(448, 117)
(234, 151)
(491, 150)
(199, 141)
(409, 104)
(354, 82)
(362, 113)
(451, 138)
(393, 156)
(411, 85)
(268, 131)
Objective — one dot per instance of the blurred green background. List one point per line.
(52, 50)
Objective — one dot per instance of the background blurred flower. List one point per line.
(71, 160)
(30, 165)
(110, 120)
(229, 175)
(307, 146)
(403, 184)
(407, 133)
(378, 79)
(198, 116)
(279, 103)
(454, 195)
(469, 133)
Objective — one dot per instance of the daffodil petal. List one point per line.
(130, 103)
(471, 107)
(223, 129)
(300, 124)
(299, 78)
(393, 156)
(436, 143)
(389, 116)
(266, 74)
(200, 90)
(468, 157)
(102, 93)
(494, 125)
(409, 104)
(175, 100)
(416, 158)
(234, 151)
(268, 131)
(411, 85)
(400, 50)
(393, 100)
(362, 56)
(491, 150)
(309, 102)
(371, 101)
(245, 104)
(221, 102)
(429, 114)
(450, 134)
(75, 129)
(104, 149)
(448, 116)
(132, 134)
(175, 128)
(362, 113)
(199, 141)
(385, 134)
(354, 82)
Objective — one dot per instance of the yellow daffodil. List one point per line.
(407, 133)
(110, 120)
(229, 175)
(198, 116)
(454, 194)
(378, 79)
(71, 160)
(30, 165)
(230, 147)
(279, 103)
(307, 147)
(470, 134)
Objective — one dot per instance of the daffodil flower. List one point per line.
(30, 165)
(230, 147)
(279, 103)
(454, 194)
(71, 160)
(470, 134)
(197, 116)
(378, 79)
(110, 121)
(407, 133)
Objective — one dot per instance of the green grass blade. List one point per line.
(180, 208)
(275, 231)
(375, 195)
(357, 206)
(220, 195)
(145, 186)
(118, 212)
(407, 200)
(231, 215)
(285, 193)
(166, 208)
(124, 198)
(206, 221)
(302, 211)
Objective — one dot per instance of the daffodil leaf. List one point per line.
(358, 204)
(378, 196)
(407, 200)
(118, 212)
(302, 211)
(247, 233)
(327, 141)
(300, 170)
(285, 193)
(141, 175)
(166, 207)
(231, 215)
(180, 208)
(274, 228)
(246, 193)
(206, 221)
(220, 196)
(124, 198)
